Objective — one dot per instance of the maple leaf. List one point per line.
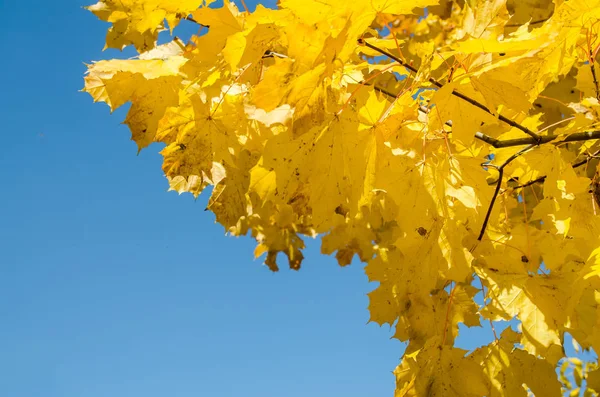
(594, 380)
(138, 22)
(509, 369)
(151, 85)
(444, 371)
(450, 146)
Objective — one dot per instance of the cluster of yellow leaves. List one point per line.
(303, 129)
(573, 373)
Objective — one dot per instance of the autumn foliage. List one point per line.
(450, 145)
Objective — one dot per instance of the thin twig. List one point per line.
(532, 182)
(586, 160)
(425, 110)
(379, 89)
(395, 58)
(436, 83)
(594, 78)
(555, 124)
(422, 108)
(362, 84)
(516, 25)
(448, 313)
(188, 18)
(498, 184)
(273, 54)
(579, 163)
(578, 136)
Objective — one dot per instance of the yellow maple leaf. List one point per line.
(440, 372)
(150, 85)
(450, 146)
(138, 22)
(466, 118)
(509, 369)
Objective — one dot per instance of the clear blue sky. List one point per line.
(110, 286)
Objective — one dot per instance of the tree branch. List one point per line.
(577, 136)
(267, 54)
(516, 25)
(188, 18)
(594, 77)
(498, 184)
(586, 160)
(273, 54)
(379, 89)
(579, 163)
(530, 142)
(454, 92)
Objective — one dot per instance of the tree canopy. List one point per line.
(451, 145)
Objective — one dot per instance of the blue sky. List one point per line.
(112, 286)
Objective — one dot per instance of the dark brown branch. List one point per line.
(498, 184)
(188, 18)
(425, 110)
(454, 92)
(577, 136)
(593, 68)
(273, 54)
(267, 54)
(400, 61)
(383, 91)
(586, 160)
(532, 182)
(516, 25)
(422, 108)
(579, 163)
